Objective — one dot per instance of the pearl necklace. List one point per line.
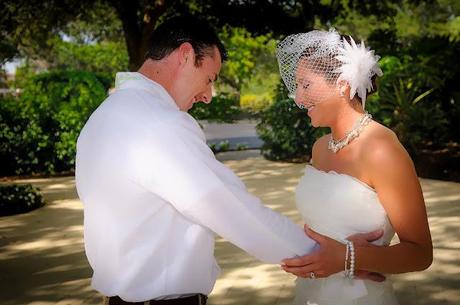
(336, 145)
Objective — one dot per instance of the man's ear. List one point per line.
(186, 53)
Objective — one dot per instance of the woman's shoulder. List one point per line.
(382, 147)
(380, 138)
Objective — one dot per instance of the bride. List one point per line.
(361, 178)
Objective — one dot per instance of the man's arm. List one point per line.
(181, 168)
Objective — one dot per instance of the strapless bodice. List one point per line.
(339, 205)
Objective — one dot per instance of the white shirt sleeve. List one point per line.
(177, 165)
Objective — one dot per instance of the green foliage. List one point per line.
(105, 57)
(98, 22)
(24, 71)
(22, 141)
(26, 26)
(428, 19)
(223, 108)
(251, 70)
(259, 92)
(15, 199)
(286, 132)
(241, 146)
(7, 49)
(402, 103)
(255, 103)
(418, 95)
(407, 19)
(39, 131)
(222, 146)
(3, 78)
(359, 26)
(63, 101)
(248, 55)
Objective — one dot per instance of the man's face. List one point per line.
(198, 80)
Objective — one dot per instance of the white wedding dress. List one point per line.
(339, 205)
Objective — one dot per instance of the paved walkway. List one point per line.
(42, 259)
(242, 132)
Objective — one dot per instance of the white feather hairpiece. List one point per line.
(359, 65)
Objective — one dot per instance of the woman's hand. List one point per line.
(327, 260)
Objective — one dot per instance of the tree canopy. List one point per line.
(28, 26)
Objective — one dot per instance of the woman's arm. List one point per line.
(394, 178)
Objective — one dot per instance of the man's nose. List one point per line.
(205, 97)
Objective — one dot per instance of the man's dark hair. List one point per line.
(169, 35)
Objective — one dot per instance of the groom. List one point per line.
(153, 193)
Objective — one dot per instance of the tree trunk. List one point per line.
(139, 20)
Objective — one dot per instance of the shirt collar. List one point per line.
(125, 80)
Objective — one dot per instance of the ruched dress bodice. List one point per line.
(339, 205)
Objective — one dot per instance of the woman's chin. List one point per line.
(313, 121)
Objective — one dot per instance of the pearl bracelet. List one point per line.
(347, 248)
(351, 274)
(350, 255)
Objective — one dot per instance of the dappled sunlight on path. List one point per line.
(42, 260)
(440, 284)
(42, 257)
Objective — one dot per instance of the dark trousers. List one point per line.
(197, 299)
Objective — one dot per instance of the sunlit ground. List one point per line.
(42, 258)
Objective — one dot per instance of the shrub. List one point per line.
(63, 101)
(403, 102)
(24, 146)
(220, 147)
(286, 132)
(39, 131)
(241, 146)
(255, 102)
(15, 199)
(223, 108)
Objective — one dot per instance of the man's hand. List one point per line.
(365, 239)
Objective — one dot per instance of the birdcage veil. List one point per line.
(303, 57)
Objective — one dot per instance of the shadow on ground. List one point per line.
(42, 257)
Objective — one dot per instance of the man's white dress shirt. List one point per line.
(154, 195)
